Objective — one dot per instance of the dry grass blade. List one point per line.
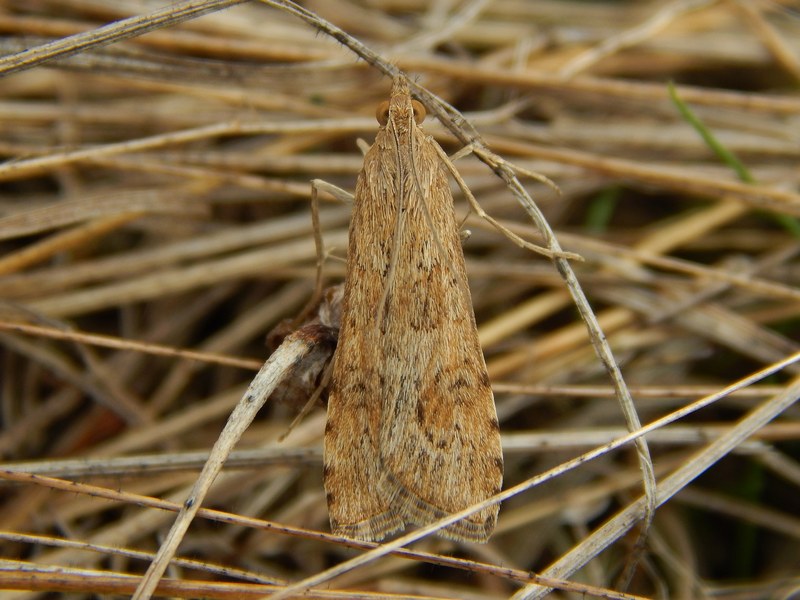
(668, 487)
(155, 169)
(296, 348)
(116, 32)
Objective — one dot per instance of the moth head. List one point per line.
(385, 107)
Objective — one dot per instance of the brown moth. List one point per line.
(412, 433)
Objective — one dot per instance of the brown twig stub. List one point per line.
(412, 434)
(318, 325)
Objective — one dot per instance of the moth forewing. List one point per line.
(412, 432)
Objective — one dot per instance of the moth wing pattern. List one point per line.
(439, 440)
(408, 370)
(352, 472)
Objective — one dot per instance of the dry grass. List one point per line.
(155, 226)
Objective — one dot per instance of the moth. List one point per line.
(412, 432)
